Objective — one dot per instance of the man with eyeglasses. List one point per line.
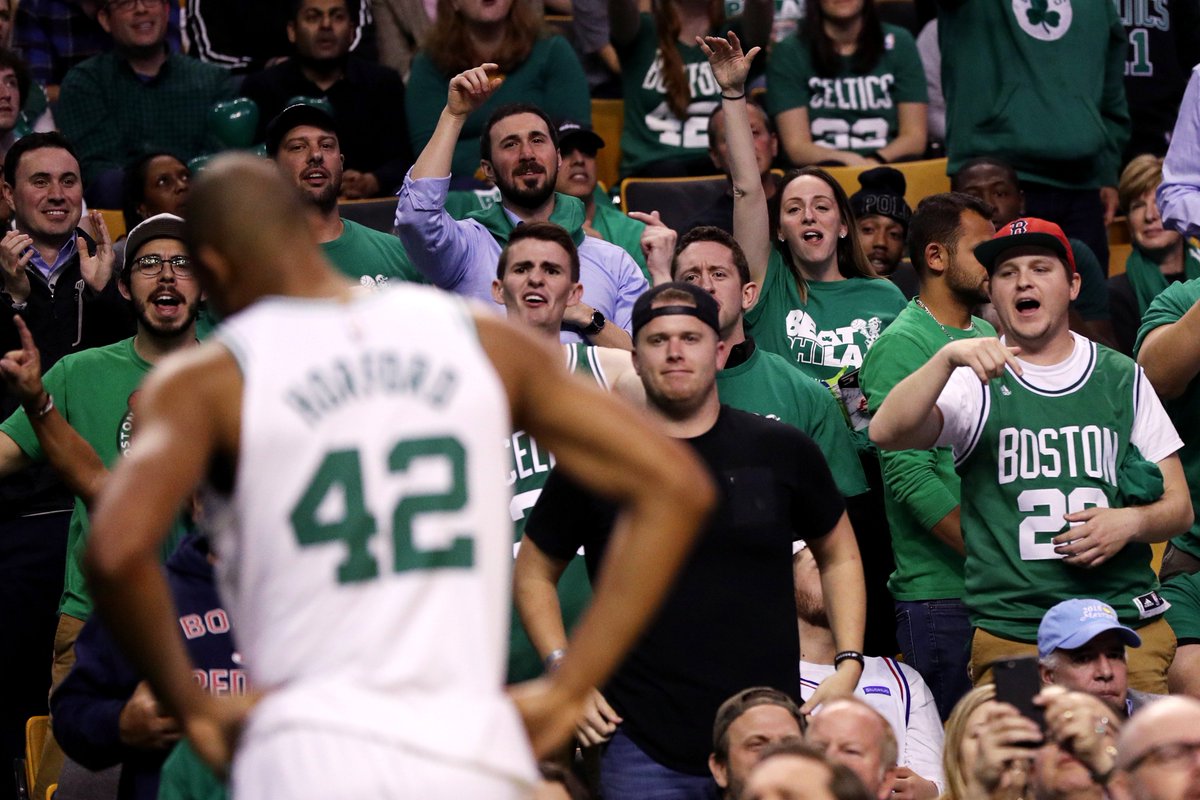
(138, 98)
(95, 392)
(1158, 754)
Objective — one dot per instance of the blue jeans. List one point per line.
(627, 773)
(935, 638)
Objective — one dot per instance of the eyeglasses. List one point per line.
(152, 266)
(127, 5)
(1172, 755)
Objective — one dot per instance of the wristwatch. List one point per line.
(596, 325)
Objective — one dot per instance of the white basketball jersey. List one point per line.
(365, 551)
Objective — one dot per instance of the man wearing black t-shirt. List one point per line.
(729, 621)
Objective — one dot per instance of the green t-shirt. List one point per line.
(831, 333)
(185, 777)
(920, 487)
(765, 384)
(849, 111)
(1045, 448)
(96, 392)
(370, 256)
(1171, 304)
(652, 132)
(529, 469)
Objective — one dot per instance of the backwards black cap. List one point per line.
(704, 310)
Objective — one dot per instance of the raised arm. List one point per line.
(909, 418)
(623, 21)
(75, 461)
(751, 222)
(664, 494)
(468, 91)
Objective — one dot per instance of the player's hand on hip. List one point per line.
(599, 721)
(986, 357)
(471, 89)
(214, 730)
(1101, 534)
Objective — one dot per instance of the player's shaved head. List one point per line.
(244, 216)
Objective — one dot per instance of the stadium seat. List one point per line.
(379, 213)
(37, 730)
(1120, 245)
(115, 220)
(924, 178)
(608, 118)
(677, 200)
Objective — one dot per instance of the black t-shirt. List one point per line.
(729, 622)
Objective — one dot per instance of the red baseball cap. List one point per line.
(1024, 232)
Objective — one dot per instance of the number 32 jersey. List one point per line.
(1032, 449)
(365, 550)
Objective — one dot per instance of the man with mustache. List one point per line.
(520, 155)
(95, 391)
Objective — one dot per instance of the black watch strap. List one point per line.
(596, 325)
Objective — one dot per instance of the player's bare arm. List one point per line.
(1101, 532)
(188, 416)
(664, 492)
(909, 418)
(1170, 356)
(72, 457)
(845, 592)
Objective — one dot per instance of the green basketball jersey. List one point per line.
(1036, 453)
(530, 468)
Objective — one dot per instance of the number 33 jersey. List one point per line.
(1032, 449)
(365, 550)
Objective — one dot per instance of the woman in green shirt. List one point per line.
(847, 89)
(536, 67)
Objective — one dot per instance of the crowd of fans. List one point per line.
(948, 527)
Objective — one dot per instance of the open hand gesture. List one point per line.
(471, 89)
(16, 249)
(96, 269)
(730, 67)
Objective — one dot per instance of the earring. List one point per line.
(842, 236)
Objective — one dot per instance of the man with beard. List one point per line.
(304, 142)
(733, 596)
(95, 392)
(746, 723)
(921, 489)
(520, 155)
(367, 99)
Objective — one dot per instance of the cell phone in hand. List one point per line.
(1017, 683)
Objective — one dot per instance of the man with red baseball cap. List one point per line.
(1066, 455)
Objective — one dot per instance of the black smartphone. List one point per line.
(1017, 682)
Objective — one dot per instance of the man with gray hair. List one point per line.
(1157, 754)
(1081, 646)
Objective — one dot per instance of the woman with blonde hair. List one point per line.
(536, 67)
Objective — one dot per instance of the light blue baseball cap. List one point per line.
(1074, 623)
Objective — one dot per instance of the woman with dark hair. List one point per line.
(667, 83)
(847, 88)
(537, 68)
(157, 183)
(820, 303)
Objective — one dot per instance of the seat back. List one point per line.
(677, 200)
(608, 118)
(923, 178)
(379, 214)
(37, 730)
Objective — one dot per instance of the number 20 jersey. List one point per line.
(1038, 452)
(365, 551)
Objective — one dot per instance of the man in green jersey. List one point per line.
(95, 391)
(536, 280)
(921, 489)
(1166, 347)
(304, 142)
(1040, 441)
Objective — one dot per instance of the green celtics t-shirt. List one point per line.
(830, 333)
(848, 111)
(765, 384)
(371, 257)
(652, 132)
(1171, 304)
(96, 392)
(529, 468)
(920, 487)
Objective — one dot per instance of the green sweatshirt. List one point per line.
(551, 78)
(1037, 83)
(920, 487)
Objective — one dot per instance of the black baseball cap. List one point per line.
(294, 116)
(572, 133)
(705, 310)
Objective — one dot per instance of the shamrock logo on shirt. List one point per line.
(1039, 13)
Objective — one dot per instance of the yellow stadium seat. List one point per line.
(1120, 245)
(608, 118)
(37, 730)
(50, 790)
(923, 177)
(115, 220)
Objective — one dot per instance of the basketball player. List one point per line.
(352, 450)
(1046, 451)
